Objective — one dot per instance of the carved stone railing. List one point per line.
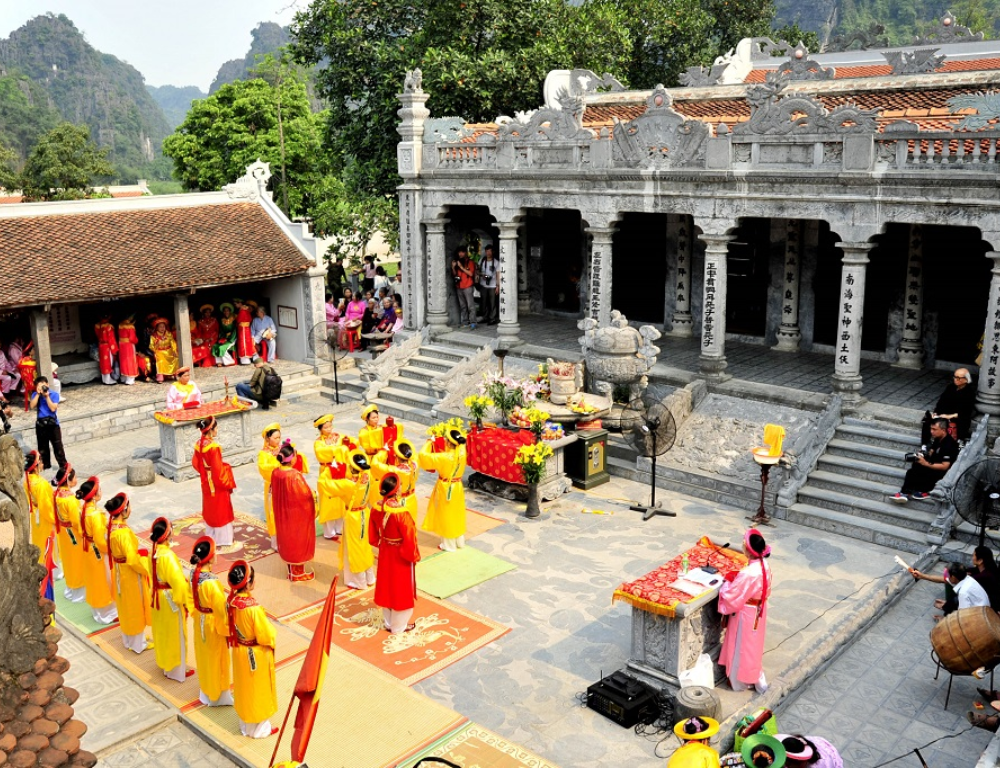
(807, 455)
(944, 521)
(907, 149)
(380, 371)
(453, 387)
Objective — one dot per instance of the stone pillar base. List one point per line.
(683, 326)
(437, 324)
(713, 369)
(911, 357)
(507, 335)
(788, 340)
(849, 388)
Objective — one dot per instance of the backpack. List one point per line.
(272, 386)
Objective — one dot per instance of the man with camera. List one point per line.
(929, 464)
(47, 429)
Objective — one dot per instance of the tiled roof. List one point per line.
(877, 70)
(90, 256)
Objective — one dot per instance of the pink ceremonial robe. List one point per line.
(743, 647)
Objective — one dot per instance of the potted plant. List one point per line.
(477, 405)
(531, 459)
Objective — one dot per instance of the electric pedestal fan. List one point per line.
(976, 495)
(323, 345)
(649, 427)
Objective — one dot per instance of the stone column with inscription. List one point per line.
(523, 296)
(789, 335)
(712, 363)
(182, 325)
(910, 352)
(437, 272)
(600, 273)
(682, 322)
(413, 114)
(988, 394)
(508, 330)
(847, 366)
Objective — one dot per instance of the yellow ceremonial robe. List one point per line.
(371, 440)
(170, 609)
(446, 508)
(211, 651)
(356, 553)
(331, 506)
(266, 464)
(129, 580)
(70, 538)
(255, 692)
(43, 512)
(95, 568)
(407, 472)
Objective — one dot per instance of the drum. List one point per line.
(967, 639)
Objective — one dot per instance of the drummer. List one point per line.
(968, 592)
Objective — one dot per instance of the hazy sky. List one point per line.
(171, 42)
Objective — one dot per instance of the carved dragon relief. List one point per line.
(584, 81)
(918, 62)
(661, 136)
(861, 39)
(776, 115)
(800, 67)
(551, 124)
(949, 31)
(985, 103)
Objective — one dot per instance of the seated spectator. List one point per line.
(968, 592)
(264, 334)
(956, 404)
(254, 390)
(352, 317)
(332, 313)
(930, 465)
(183, 393)
(368, 322)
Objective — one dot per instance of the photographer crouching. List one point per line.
(930, 464)
(47, 429)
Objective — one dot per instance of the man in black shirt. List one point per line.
(336, 276)
(930, 465)
(956, 404)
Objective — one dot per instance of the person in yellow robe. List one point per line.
(252, 638)
(41, 505)
(129, 575)
(267, 462)
(357, 492)
(446, 508)
(69, 534)
(211, 628)
(94, 536)
(171, 604)
(405, 468)
(164, 348)
(331, 452)
(371, 436)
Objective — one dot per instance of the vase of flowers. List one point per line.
(536, 419)
(477, 405)
(531, 459)
(508, 393)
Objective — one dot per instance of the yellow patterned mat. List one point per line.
(473, 745)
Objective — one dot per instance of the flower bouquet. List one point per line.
(440, 430)
(477, 405)
(508, 393)
(531, 459)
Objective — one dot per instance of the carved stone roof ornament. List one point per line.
(949, 31)
(583, 81)
(861, 40)
(918, 62)
(800, 67)
(564, 124)
(985, 103)
(251, 185)
(661, 136)
(445, 129)
(766, 48)
(777, 115)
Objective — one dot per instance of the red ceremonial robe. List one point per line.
(107, 347)
(393, 531)
(244, 339)
(128, 362)
(294, 515)
(217, 484)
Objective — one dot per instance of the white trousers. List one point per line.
(256, 730)
(244, 361)
(333, 528)
(128, 380)
(359, 580)
(225, 700)
(450, 545)
(396, 621)
(106, 615)
(760, 685)
(109, 378)
(135, 643)
(223, 537)
(226, 359)
(77, 595)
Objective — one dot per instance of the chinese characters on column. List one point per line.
(708, 330)
(683, 305)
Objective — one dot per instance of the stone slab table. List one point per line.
(240, 442)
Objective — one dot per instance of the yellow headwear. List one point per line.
(359, 461)
(455, 436)
(324, 419)
(367, 411)
(269, 428)
(399, 444)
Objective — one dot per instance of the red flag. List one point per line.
(309, 686)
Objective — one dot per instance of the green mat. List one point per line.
(448, 573)
(77, 614)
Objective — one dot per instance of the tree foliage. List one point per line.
(239, 123)
(352, 221)
(905, 19)
(64, 165)
(9, 178)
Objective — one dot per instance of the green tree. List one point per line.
(247, 120)
(352, 221)
(8, 176)
(64, 165)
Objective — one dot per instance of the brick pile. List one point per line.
(40, 730)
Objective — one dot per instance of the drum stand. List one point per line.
(951, 677)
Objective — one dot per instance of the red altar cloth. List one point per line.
(215, 408)
(653, 593)
(492, 451)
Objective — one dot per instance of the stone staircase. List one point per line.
(848, 492)
(410, 395)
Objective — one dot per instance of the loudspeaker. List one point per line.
(623, 699)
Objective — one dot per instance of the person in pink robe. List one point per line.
(9, 377)
(743, 599)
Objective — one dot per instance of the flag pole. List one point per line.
(283, 724)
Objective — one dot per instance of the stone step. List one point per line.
(858, 487)
(873, 454)
(404, 411)
(873, 531)
(414, 386)
(848, 467)
(409, 399)
(915, 516)
(435, 365)
(449, 354)
(346, 395)
(882, 437)
(417, 374)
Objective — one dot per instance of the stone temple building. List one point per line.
(844, 203)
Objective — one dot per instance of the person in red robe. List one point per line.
(244, 337)
(208, 331)
(27, 369)
(107, 348)
(294, 515)
(128, 360)
(393, 531)
(217, 484)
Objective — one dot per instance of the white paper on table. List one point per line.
(699, 576)
(692, 588)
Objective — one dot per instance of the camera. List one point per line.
(45, 389)
(911, 457)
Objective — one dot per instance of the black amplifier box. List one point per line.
(623, 699)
